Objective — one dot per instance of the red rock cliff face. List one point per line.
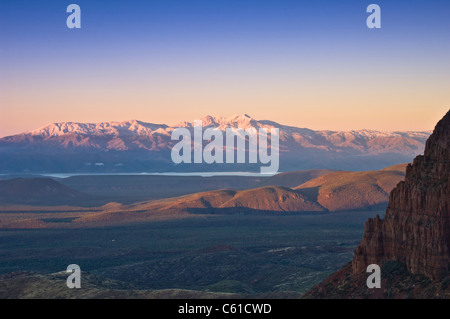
(416, 226)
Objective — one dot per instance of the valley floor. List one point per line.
(221, 256)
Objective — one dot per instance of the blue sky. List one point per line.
(305, 63)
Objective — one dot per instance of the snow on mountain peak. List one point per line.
(236, 121)
(304, 137)
(138, 135)
(103, 128)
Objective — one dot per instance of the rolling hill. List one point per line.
(295, 178)
(353, 190)
(38, 191)
(335, 191)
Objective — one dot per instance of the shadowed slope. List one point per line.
(37, 191)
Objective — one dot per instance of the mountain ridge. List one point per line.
(76, 147)
(237, 121)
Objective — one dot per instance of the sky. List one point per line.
(311, 64)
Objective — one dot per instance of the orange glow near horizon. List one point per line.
(329, 112)
(299, 64)
(325, 101)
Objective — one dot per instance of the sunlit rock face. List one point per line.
(416, 226)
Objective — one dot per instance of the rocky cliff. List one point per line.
(414, 234)
(416, 226)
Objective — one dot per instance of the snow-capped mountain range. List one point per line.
(300, 148)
